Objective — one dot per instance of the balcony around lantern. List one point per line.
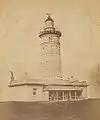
(50, 31)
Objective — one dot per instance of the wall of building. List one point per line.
(85, 92)
(50, 60)
(26, 93)
(94, 90)
(39, 93)
(18, 93)
(46, 96)
(36, 93)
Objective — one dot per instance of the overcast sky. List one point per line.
(20, 23)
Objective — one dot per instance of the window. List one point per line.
(34, 91)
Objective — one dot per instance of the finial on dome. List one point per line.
(48, 18)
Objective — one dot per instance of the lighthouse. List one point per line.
(51, 86)
(50, 59)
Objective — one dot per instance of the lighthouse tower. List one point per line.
(51, 87)
(50, 50)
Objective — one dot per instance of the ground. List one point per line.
(78, 110)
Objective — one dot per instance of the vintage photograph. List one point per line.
(49, 60)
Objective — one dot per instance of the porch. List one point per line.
(60, 95)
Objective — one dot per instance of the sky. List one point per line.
(20, 23)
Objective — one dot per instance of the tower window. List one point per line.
(34, 91)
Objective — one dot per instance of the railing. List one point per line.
(56, 100)
(54, 31)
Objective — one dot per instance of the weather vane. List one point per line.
(48, 14)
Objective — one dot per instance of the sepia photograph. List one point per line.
(49, 59)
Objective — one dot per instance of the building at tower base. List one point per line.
(51, 86)
(51, 90)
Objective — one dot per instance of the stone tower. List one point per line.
(50, 50)
(51, 87)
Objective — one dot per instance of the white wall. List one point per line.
(85, 92)
(38, 96)
(46, 96)
(18, 93)
(25, 93)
